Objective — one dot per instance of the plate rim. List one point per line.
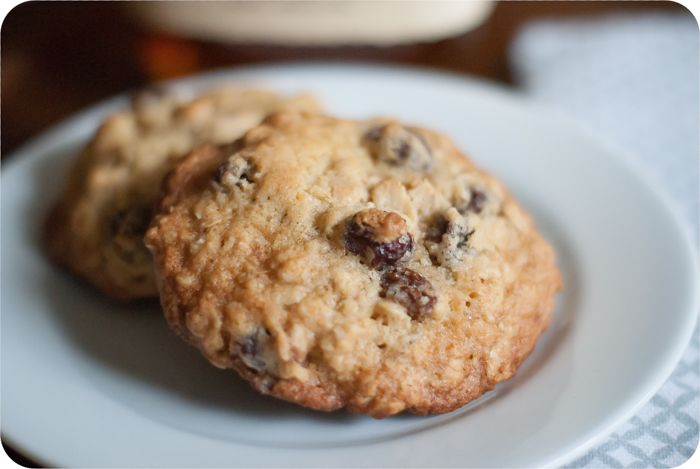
(43, 141)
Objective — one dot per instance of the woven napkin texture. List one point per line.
(633, 80)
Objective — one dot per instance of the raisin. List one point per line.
(459, 234)
(447, 238)
(130, 223)
(374, 134)
(400, 146)
(411, 290)
(380, 238)
(475, 198)
(454, 232)
(126, 231)
(436, 229)
(476, 203)
(249, 350)
(234, 171)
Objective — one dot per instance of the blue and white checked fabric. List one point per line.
(635, 80)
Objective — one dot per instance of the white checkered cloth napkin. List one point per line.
(635, 80)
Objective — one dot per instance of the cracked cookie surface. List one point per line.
(358, 264)
(96, 229)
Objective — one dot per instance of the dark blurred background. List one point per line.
(628, 69)
(59, 57)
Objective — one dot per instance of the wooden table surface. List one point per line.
(60, 57)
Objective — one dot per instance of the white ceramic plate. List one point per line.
(89, 383)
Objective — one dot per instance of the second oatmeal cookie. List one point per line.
(96, 228)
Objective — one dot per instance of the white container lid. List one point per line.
(315, 23)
